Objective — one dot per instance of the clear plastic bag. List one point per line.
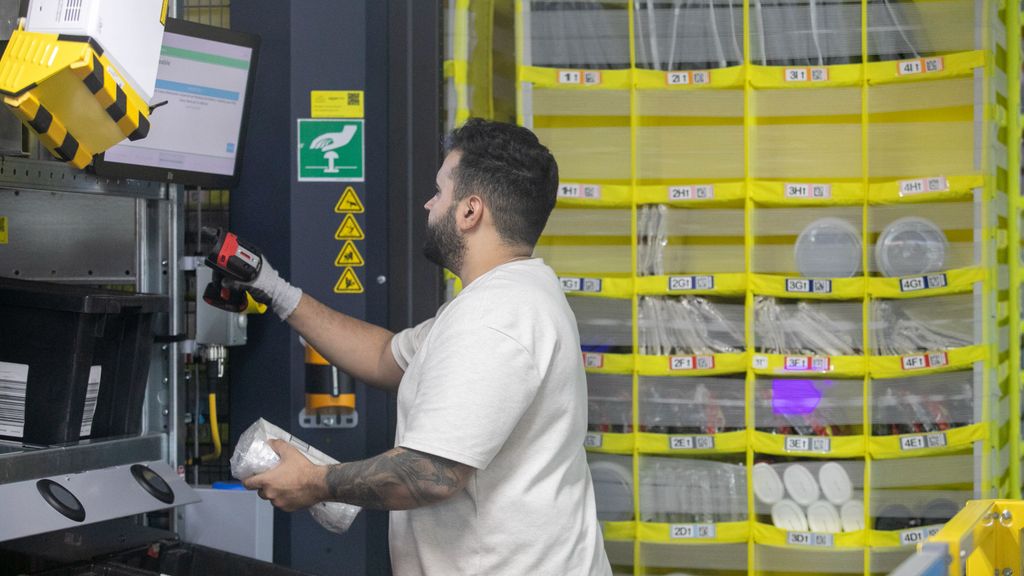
(253, 455)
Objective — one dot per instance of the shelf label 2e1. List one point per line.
(691, 442)
(692, 531)
(818, 539)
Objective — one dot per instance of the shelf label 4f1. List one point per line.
(691, 442)
(922, 361)
(922, 441)
(692, 531)
(817, 444)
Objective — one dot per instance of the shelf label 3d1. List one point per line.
(692, 531)
(816, 539)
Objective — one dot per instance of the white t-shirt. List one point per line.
(496, 381)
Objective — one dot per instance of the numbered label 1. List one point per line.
(759, 362)
(917, 283)
(593, 440)
(677, 283)
(694, 531)
(806, 364)
(922, 361)
(922, 441)
(581, 191)
(810, 539)
(808, 286)
(923, 185)
(817, 444)
(696, 192)
(570, 76)
(691, 442)
(593, 360)
(691, 363)
(807, 191)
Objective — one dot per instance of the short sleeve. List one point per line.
(406, 343)
(474, 386)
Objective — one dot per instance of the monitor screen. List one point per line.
(205, 76)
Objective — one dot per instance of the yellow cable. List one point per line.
(214, 431)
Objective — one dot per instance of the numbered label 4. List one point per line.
(922, 441)
(701, 531)
(696, 192)
(593, 440)
(808, 444)
(691, 442)
(691, 363)
(922, 361)
(810, 539)
(807, 191)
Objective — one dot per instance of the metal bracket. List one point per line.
(315, 420)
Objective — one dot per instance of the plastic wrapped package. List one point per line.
(253, 455)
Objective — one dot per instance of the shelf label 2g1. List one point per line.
(817, 539)
(692, 531)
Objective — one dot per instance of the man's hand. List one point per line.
(269, 288)
(293, 484)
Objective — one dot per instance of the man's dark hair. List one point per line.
(511, 170)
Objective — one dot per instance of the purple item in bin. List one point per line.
(797, 397)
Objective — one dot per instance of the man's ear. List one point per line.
(469, 213)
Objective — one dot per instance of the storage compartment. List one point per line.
(922, 404)
(901, 29)
(809, 495)
(819, 242)
(605, 325)
(681, 490)
(919, 493)
(697, 405)
(694, 559)
(925, 238)
(922, 324)
(809, 407)
(588, 241)
(690, 36)
(609, 403)
(807, 327)
(776, 560)
(690, 325)
(612, 475)
(681, 240)
(74, 361)
(801, 33)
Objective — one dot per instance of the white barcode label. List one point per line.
(923, 185)
(581, 191)
(759, 362)
(918, 535)
(587, 77)
(593, 440)
(13, 384)
(794, 191)
(92, 394)
(916, 283)
(580, 284)
(593, 360)
(691, 363)
(676, 283)
(695, 192)
(808, 286)
(806, 364)
(680, 78)
(810, 539)
(922, 361)
(922, 441)
(814, 74)
(808, 444)
(920, 66)
(691, 442)
(694, 531)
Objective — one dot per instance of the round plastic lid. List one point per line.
(911, 245)
(822, 516)
(852, 515)
(787, 515)
(767, 484)
(613, 491)
(835, 483)
(828, 248)
(800, 484)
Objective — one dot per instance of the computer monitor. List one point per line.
(197, 137)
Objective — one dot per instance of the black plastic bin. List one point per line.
(58, 333)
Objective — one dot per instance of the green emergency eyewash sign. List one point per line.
(331, 150)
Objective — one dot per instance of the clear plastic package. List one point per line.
(253, 455)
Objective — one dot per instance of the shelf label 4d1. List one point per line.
(676, 283)
(585, 77)
(808, 286)
(807, 364)
(696, 192)
(593, 440)
(691, 442)
(922, 361)
(580, 284)
(816, 539)
(819, 444)
(797, 191)
(691, 363)
(917, 283)
(813, 74)
(681, 78)
(692, 531)
(919, 66)
(579, 191)
(593, 360)
(923, 185)
(922, 441)
(918, 535)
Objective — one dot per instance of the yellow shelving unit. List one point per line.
(736, 232)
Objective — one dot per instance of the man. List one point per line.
(488, 475)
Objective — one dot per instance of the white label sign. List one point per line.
(579, 191)
(810, 539)
(580, 284)
(593, 360)
(920, 66)
(922, 441)
(694, 531)
(814, 74)
(676, 283)
(691, 363)
(586, 77)
(808, 286)
(922, 361)
(759, 362)
(923, 185)
(593, 440)
(807, 191)
(13, 385)
(695, 192)
(691, 442)
(818, 444)
(917, 283)
(806, 364)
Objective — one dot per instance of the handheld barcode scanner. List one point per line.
(230, 258)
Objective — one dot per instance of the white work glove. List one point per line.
(269, 288)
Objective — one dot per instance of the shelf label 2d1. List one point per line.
(696, 192)
(691, 283)
(808, 286)
(593, 360)
(692, 531)
(922, 441)
(580, 284)
(691, 442)
(817, 539)
(922, 361)
(918, 535)
(580, 191)
(817, 444)
(593, 440)
(917, 283)
(705, 362)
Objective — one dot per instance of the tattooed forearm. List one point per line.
(399, 479)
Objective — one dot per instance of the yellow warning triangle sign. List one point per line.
(348, 283)
(349, 202)
(349, 255)
(349, 229)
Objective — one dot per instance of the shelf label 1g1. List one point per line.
(691, 442)
(808, 444)
(580, 284)
(810, 539)
(693, 531)
(922, 441)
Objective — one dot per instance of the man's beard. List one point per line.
(443, 245)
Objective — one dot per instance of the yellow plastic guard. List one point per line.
(64, 90)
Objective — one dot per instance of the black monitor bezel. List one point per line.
(188, 177)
